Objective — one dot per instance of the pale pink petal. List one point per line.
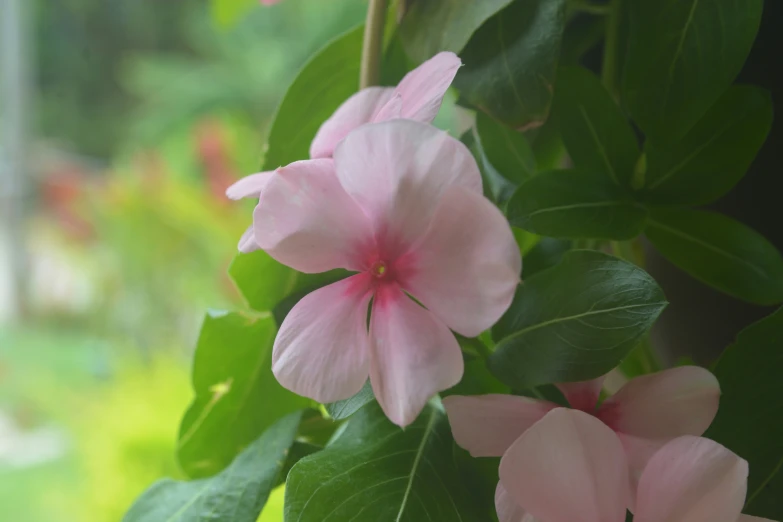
(413, 357)
(391, 111)
(508, 509)
(582, 395)
(270, 2)
(638, 450)
(486, 425)
(357, 110)
(750, 518)
(568, 466)
(322, 348)
(249, 186)
(397, 172)
(467, 266)
(304, 219)
(664, 405)
(247, 243)
(423, 88)
(692, 479)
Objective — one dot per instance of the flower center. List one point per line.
(379, 270)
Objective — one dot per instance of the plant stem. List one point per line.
(609, 70)
(370, 73)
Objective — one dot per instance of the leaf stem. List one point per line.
(370, 72)
(609, 70)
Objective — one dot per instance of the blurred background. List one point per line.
(121, 125)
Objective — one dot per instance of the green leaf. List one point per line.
(547, 253)
(511, 60)
(343, 409)
(720, 252)
(261, 280)
(445, 25)
(714, 155)
(325, 82)
(496, 188)
(748, 420)
(595, 131)
(237, 397)
(376, 471)
(507, 150)
(226, 13)
(682, 55)
(237, 494)
(575, 204)
(575, 321)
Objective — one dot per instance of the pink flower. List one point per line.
(417, 97)
(571, 466)
(401, 204)
(644, 415)
(269, 2)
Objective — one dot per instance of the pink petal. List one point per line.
(486, 425)
(270, 2)
(249, 186)
(321, 350)
(638, 450)
(247, 243)
(568, 466)
(423, 88)
(414, 355)
(508, 509)
(467, 266)
(357, 110)
(304, 219)
(692, 479)
(664, 405)
(391, 111)
(582, 395)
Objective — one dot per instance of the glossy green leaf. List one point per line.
(261, 280)
(237, 397)
(511, 60)
(325, 82)
(377, 472)
(682, 55)
(547, 253)
(343, 409)
(575, 204)
(496, 188)
(507, 150)
(714, 155)
(237, 494)
(748, 420)
(595, 131)
(720, 252)
(446, 25)
(574, 321)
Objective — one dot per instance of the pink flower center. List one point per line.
(379, 270)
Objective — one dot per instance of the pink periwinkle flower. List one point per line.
(642, 416)
(401, 204)
(418, 97)
(571, 466)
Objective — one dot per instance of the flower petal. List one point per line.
(486, 425)
(582, 395)
(321, 350)
(508, 509)
(397, 172)
(247, 243)
(305, 220)
(357, 110)
(568, 466)
(664, 405)
(413, 356)
(249, 186)
(423, 88)
(467, 266)
(692, 479)
(391, 111)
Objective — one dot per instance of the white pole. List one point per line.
(14, 191)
